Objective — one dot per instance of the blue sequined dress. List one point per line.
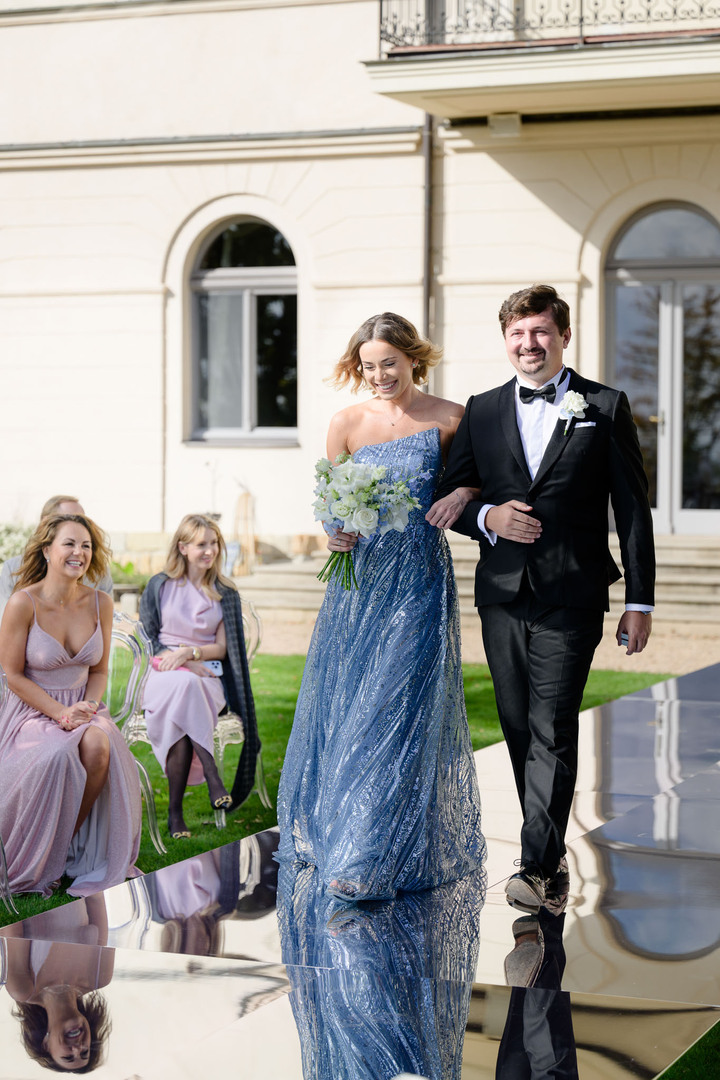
(379, 789)
(383, 987)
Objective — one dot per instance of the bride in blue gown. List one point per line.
(379, 789)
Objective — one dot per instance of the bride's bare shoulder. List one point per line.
(342, 427)
(449, 412)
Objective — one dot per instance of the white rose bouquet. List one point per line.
(352, 497)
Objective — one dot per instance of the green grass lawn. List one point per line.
(700, 1062)
(276, 681)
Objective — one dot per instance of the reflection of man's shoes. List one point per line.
(526, 890)
(557, 889)
(524, 962)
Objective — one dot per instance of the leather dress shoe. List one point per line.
(524, 962)
(557, 889)
(526, 890)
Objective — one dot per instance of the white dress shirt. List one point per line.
(536, 422)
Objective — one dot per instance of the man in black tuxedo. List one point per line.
(545, 474)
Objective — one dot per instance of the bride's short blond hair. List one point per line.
(396, 331)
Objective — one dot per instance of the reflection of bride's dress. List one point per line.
(381, 987)
(379, 786)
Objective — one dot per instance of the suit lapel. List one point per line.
(509, 427)
(558, 439)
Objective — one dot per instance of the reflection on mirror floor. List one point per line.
(218, 965)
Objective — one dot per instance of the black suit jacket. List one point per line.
(570, 565)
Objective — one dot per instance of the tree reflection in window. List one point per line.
(245, 333)
(701, 397)
(664, 302)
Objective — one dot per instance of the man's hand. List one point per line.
(510, 520)
(638, 628)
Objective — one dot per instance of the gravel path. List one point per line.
(673, 650)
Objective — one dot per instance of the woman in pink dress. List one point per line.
(69, 791)
(191, 613)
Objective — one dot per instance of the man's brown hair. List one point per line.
(534, 301)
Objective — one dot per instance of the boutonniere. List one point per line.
(572, 407)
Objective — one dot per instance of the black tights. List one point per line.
(177, 768)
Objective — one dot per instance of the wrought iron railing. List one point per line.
(493, 23)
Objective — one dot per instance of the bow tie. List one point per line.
(548, 392)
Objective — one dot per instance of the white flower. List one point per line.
(365, 521)
(321, 509)
(355, 497)
(340, 509)
(397, 521)
(572, 406)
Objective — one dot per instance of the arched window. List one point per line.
(244, 295)
(663, 277)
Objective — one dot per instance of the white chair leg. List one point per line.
(220, 820)
(150, 809)
(260, 783)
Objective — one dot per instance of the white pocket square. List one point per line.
(585, 423)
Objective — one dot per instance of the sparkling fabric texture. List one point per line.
(42, 781)
(381, 987)
(180, 702)
(379, 788)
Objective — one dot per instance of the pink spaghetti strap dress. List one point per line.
(42, 781)
(179, 703)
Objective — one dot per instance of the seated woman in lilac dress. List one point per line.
(192, 615)
(69, 792)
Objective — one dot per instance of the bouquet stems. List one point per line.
(339, 567)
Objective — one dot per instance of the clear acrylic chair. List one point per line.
(5, 893)
(128, 670)
(230, 730)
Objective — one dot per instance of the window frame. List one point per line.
(247, 283)
(671, 275)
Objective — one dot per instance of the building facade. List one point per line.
(200, 200)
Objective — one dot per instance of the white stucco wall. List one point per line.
(131, 132)
(97, 241)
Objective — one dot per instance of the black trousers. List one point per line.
(538, 1042)
(539, 659)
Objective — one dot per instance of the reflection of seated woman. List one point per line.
(69, 792)
(64, 1021)
(192, 614)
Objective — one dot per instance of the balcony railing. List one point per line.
(482, 24)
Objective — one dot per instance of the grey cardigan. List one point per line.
(235, 676)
